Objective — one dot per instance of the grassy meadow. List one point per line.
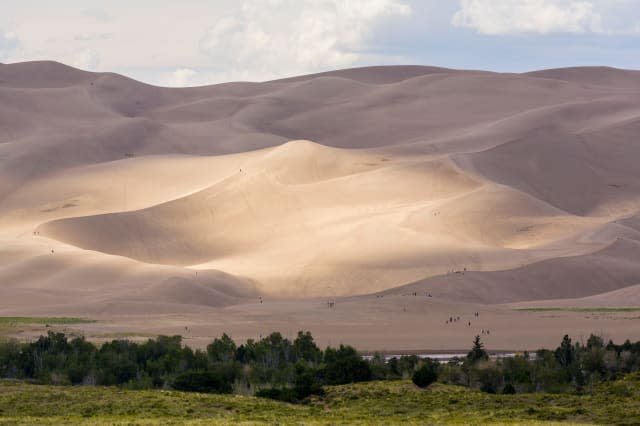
(371, 403)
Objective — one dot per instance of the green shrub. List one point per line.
(279, 394)
(426, 374)
(202, 381)
(344, 365)
(508, 389)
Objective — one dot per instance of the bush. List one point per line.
(202, 381)
(306, 381)
(490, 378)
(426, 374)
(508, 389)
(344, 365)
(282, 394)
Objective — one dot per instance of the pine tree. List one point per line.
(477, 353)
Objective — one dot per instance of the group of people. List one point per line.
(453, 319)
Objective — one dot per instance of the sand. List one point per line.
(157, 210)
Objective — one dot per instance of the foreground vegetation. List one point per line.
(277, 368)
(581, 383)
(377, 402)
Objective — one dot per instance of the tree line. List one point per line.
(279, 368)
(570, 368)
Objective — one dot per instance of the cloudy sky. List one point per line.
(193, 42)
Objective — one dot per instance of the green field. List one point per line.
(380, 402)
(589, 310)
(8, 321)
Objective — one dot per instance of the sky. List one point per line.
(197, 42)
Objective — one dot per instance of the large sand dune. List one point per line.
(120, 198)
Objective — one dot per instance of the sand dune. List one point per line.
(604, 76)
(608, 270)
(121, 198)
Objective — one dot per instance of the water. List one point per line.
(446, 357)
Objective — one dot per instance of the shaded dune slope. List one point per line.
(612, 269)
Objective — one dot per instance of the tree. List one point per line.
(517, 370)
(222, 350)
(9, 358)
(595, 342)
(344, 365)
(477, 352)
(306, 349)
(489, 377)
(306, 381)
(426, 374)
(565, 353)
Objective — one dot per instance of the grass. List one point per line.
(13, 325)
(123, 335)
(392, 402)
(9, 321)
(591, 310)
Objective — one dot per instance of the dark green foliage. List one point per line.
(10, 358)
(279, 394)
(477, 352)
(222, 350)
(407, 365)
(202, 381)
(565, 353)
(293, 371)
(307, 381)
(508, 389)
(489, 378)
(344, 365)
(305, 348)
(426, 374)
(517, 372)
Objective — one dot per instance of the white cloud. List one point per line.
(181, 77)
(528, 16)
(86, 59)
(92, 37)
(98, 15)
(273, 38)
(9, 42)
